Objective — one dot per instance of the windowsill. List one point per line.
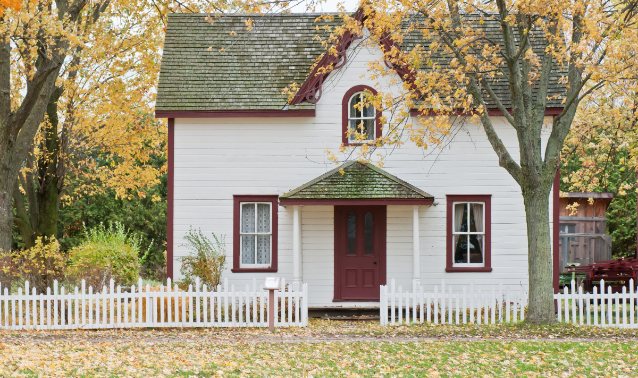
(253, 270)
(370, 143)
(460, 269)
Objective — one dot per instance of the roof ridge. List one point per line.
(319, 178)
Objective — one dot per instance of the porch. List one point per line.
(340, 229)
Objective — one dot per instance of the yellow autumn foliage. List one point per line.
(40, 265)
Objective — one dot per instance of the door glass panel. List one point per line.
(352, 233)
(368, 234)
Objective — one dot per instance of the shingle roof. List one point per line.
(252, 72)
(492, 31)
(255, 66)
(358, 181)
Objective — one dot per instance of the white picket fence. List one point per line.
(441, 306)
(598, 308)
(146, 306)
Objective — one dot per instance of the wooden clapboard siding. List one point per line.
(219, 157)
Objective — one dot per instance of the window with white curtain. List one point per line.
(255, 234)
(468, 233)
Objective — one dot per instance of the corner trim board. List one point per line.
(556, 231)
(170, 196)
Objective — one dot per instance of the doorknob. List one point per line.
(375, 262)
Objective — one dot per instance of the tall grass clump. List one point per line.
(206, 259)
(106, 253)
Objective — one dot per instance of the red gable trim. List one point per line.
(492, 112)
(233, 113)
(357, 201)
(310, 91)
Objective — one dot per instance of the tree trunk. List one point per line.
(6, 215)
(541, 300)
(48, 195)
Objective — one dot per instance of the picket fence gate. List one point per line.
(598, 308)
(441, 306)
(146, 306)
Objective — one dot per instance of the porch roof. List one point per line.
(359, 184)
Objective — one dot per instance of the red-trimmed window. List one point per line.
(255, 233)
(469, 233)
(365, 119)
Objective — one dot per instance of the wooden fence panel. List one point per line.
(145, 306)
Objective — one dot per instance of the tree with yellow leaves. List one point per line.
(601, 155)
(77, 79)
(43, 36)
(100, 104)
(469, 47)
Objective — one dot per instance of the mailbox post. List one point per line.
(271, 284)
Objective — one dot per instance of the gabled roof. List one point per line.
(251, 72)
(223, 67)
(357, 182)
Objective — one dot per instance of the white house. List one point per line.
(245, 163)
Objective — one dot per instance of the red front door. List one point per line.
(359, 252)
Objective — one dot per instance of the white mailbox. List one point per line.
(272, 283)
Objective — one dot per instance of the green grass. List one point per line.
(381, 358)
(364, 349)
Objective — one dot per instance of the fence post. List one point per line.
(632, 302)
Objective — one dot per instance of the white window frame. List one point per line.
(241, 240)
(468, 265)
(362, 118)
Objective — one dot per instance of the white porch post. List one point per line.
(296, 245)
(416, 265)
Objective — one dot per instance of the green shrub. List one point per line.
(106, 253)
(205, 261)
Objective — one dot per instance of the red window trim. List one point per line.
(273, 199)
(345, 112)
(451, 198)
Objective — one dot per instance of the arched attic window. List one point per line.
(366, 119)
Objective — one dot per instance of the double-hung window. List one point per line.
(469, 228)
(255, 233)
(469, 233)
(361, 119)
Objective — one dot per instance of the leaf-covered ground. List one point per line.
(325, 348)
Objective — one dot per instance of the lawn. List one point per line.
(325, 348)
